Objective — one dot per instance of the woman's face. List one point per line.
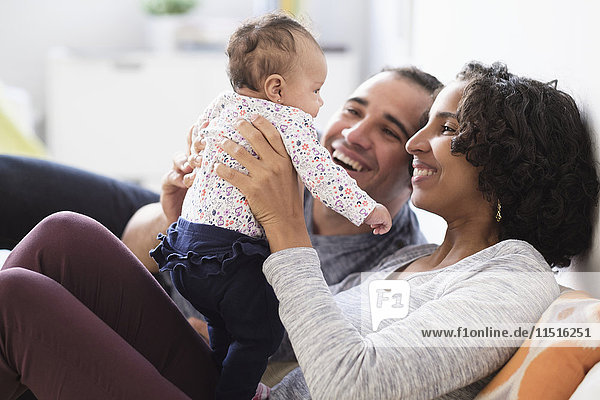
(444, 183)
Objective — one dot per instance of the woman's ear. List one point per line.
(274, 85)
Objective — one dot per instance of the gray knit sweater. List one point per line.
(342, 357)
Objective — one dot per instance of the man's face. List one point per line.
(367, 136)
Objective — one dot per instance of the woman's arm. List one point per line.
(341, 357)
(141, 232)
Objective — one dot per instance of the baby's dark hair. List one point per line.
(264, 46)
(535, 154)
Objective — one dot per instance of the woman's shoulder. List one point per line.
(510, 254)
(508, 264)
(512, 267)
(519, 254)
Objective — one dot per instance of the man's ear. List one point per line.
(274, 85)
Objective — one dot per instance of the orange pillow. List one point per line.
(550, 369)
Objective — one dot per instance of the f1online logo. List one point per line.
(388, 299)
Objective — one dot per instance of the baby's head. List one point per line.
(275, 58)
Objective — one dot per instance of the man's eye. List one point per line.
(351, 111)
(390, 133)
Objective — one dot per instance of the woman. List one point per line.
(503, 159)
(500, 158)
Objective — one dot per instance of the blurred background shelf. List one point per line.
(126, 114)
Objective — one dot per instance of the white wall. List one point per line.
(546, 40)
(108, 33)
(549, 39)
(29, 28)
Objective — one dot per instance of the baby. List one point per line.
(216, 249)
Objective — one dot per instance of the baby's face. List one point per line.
(303, 85)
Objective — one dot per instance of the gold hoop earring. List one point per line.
(498, 214)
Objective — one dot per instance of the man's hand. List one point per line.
(174, 188)
(181, 176)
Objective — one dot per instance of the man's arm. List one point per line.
(141, 231)
(33, 188)
(144, 226)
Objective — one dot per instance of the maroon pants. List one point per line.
(80, 317)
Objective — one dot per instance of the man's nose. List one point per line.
(359, 134)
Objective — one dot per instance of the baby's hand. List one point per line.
(379, 220)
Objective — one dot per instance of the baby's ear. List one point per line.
(274, 84)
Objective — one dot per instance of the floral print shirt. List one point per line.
(213, 201)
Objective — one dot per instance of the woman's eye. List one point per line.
(448, 130)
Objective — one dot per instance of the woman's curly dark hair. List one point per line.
(536, 158)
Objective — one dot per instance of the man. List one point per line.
(367, 137)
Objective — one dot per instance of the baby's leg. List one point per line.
(204, 294)
(220, 339)
(249, 308)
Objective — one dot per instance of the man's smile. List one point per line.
(347, 162)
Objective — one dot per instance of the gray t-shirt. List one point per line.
(342, 357)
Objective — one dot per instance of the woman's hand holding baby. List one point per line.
(271, 185)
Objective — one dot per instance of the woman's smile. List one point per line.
(422, 171)
(443, 183)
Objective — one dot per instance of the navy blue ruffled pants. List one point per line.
(219, 271)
